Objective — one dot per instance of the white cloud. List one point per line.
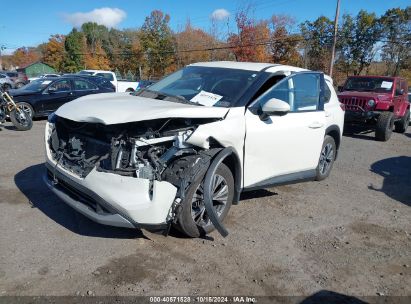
(107, 16)
(220, 14)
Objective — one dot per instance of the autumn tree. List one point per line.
(283, 44)
(24, 56)
(157, 42)
(192, 44)
(74, 46)
(317, 37)
(250, 41)
(54, 52)
(396, 31)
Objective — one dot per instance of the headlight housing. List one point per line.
(371, 103)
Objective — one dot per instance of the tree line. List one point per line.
(366, 43)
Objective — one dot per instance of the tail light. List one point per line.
(342, 106)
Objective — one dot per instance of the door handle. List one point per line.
(316, 125)
(327, 114)
(71, 93)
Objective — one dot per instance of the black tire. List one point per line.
(385, 126)
(6, 87)
(130, 90)
(402, 125)
(21, 120)
(27, 108)
(327, 158)
(185, 221)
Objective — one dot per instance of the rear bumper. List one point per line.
(92, 205)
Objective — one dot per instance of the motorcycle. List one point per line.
(8, 108)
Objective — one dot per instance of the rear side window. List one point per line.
(82, 85)
(327, 93)
(107, 76)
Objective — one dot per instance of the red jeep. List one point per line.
(377, 101)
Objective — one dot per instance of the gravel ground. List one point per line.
(350, 234)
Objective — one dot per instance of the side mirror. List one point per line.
(52, 90)
(275, 106)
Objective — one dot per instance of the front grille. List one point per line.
(354, 103)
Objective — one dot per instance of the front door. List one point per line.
(289, 145)
(57, 94)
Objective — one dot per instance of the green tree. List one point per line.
(357, 40)
(157, 42)
(396, 50)
(318, 37)
(74, 46)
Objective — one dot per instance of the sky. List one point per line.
(29, 23)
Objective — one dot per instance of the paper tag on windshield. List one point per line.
(206, 98)
(386, 85)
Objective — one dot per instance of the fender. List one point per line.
(335, 132)
(208, 201)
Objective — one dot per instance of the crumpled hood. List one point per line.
(114, 108)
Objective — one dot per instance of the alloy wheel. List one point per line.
(326, 158)
(219, 196)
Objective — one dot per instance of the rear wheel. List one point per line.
(192, 218)
(385, 125)
(6, 87)
(327, 158)
(402, 125)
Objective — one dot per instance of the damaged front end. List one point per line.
(124, 169)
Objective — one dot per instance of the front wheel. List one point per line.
(193, 219)
(21, 119)
(26, 107)
(327, 157)
(385, 125)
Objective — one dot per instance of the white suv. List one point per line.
(182, 151)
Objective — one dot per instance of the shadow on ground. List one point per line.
(30, 183)
(397, 178)
(359, 132)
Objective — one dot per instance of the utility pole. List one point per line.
(337, 13)
(2, 47)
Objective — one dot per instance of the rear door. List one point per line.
(287, 146)
(83, 87)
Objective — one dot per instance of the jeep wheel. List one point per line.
(402, 125)
(192, 218)
(327, 158)
(385, 125)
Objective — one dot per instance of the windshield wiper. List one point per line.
(165, 96)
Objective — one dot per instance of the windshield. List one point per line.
(365, 84)
(36, 85)
(220, 87)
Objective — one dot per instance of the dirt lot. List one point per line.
(349, 234)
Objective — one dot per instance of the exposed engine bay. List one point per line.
(139, 149)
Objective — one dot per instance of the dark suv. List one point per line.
(378, 102)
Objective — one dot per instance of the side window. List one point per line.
(82, 85)
(2, 76)
(397, 87)
(61, 86)
(301, 91)
(108, 76)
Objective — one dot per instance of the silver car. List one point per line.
(5, 82)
